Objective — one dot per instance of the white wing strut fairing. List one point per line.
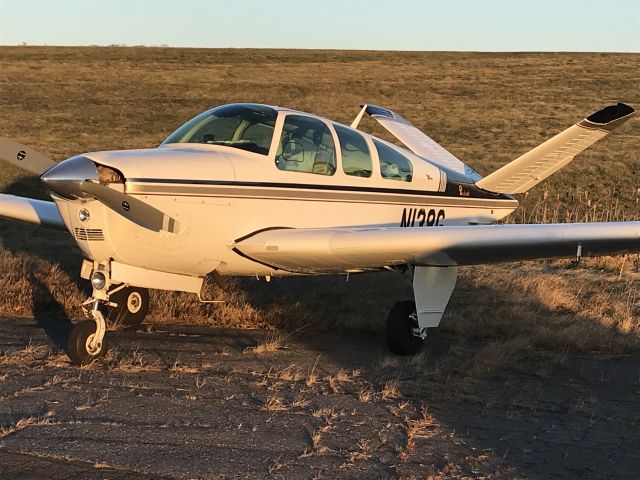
(30, 210)
(342, 249)
(536, 165)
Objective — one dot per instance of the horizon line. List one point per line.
(166, 46)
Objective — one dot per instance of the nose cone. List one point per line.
(65, 178)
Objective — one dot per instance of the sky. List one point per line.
(467, 25)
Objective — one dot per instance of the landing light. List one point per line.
(98, 280)
(84, 215)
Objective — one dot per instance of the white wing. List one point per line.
(30, 210)
(333, 250)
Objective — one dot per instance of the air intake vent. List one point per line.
(89, 234)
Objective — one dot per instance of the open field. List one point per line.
(534, 372)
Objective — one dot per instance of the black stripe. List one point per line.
(238, 240)
(471, 189)
(235, 250)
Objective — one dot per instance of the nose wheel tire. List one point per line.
(133, 306)
(81, 349)
(402, 329)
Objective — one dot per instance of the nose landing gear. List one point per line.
(122, 304)
(87, 340)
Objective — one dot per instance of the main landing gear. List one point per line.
(132, 306)
(124, 305)
(403, 333)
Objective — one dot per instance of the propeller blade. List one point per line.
(131, 208)
(24, 157)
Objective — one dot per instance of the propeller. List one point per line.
(24, 157)
(78, 177)
(131, 208)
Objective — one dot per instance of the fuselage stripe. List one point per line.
(328, 193)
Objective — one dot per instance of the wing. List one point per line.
(419, 143)
(333, 250)
(30, 210)
(534, 166)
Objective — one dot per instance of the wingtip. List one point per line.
(609, 117)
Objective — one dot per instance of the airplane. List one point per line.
(263, 191)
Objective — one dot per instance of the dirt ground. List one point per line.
(178, 401)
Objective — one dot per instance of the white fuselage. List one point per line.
(220, 194)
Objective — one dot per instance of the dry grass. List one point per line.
(414, 429)
(485, 108)
(275, 404)
(30, 353)
(273, 343)
(312, 376)
(340, 377)
(27, 422)
(180, 368)
(365, 395)
(363, 452)
(93, 402)
(390, 390)
(130, 362)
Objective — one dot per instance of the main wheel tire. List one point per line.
(401, 323)
(133, 306)
(78, 348)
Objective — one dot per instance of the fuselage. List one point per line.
(309, 176)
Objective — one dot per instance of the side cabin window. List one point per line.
(393, 165)
(306, 145)
(356, 158)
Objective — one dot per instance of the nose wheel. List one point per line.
(87, 340)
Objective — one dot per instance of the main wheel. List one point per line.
(133, 306)
(79, 347)
(402, 325)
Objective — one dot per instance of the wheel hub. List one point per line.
(134, 302)
(416, 331)
(93, 348)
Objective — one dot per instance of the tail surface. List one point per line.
(536, 165)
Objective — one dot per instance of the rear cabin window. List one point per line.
(393, 165)
(356, 158)
(306, 145)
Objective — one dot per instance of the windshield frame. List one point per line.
(188, 129)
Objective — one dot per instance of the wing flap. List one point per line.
(31, 210)
(342, 249)
(538, 164)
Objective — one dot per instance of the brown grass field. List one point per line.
(530, 326)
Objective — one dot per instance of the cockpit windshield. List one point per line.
(244, 126)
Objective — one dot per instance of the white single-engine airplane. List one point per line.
(257, 190)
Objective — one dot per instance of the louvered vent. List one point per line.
(89, 234)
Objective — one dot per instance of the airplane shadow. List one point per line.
(50, 315)
(542, 411)
(56, 248)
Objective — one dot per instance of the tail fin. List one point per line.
(534, 166)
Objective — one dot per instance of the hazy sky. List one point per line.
(486, 25)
